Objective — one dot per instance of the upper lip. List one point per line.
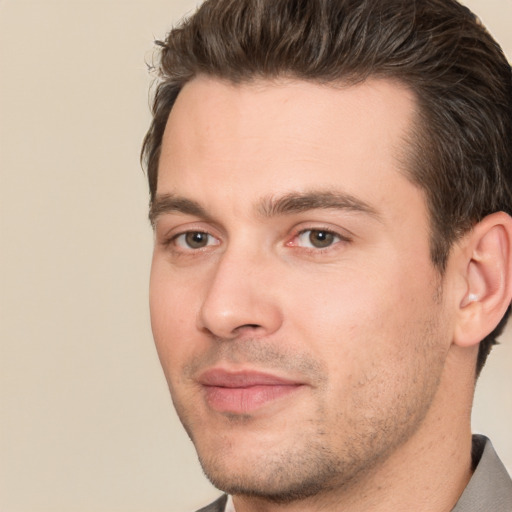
(242, 379)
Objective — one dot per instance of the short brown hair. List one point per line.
(462, 146)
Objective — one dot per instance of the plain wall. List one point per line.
(86, 423)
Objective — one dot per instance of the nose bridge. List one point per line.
(239, 297)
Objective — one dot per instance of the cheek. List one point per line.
(335, 306)
(172, 314)
(357, 323)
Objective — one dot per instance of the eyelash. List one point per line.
(329, 232)
(193, 232)
(173, 241)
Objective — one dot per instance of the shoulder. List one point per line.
(217, 506)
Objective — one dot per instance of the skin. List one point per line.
(332, 291)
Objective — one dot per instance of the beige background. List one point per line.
(86, 423)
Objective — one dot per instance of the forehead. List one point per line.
(272, 136)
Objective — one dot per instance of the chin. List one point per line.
(271, 482)
(275, 472)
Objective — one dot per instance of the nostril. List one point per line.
(247, 327)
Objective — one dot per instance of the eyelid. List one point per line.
(182, 246)
(167, 235)
(339, 234)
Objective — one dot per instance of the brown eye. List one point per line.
(317, 238)
(195, 240)
(320, 239)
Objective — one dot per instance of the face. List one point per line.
(296, 312)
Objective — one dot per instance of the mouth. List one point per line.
(244, 392)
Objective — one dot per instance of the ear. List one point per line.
(487, 277)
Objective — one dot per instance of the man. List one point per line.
(330, 194)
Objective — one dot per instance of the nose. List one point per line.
(241, 298)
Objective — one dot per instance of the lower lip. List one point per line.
(247, 399)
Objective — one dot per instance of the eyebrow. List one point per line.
(288, 204)
(297, 202)
(170, 203)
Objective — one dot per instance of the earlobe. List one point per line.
(488, 279)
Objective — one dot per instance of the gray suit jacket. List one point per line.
(490, 487)
(489, 490)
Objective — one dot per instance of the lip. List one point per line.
(244, 392)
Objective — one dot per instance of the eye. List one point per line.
(195, 240)
(317, 238)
